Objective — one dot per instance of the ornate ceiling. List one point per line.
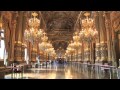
(60, 26)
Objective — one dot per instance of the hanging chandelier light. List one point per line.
(33, 33)
(70, 48)
(88, 32)
(76, 39)
(49, 48)
(44, 44)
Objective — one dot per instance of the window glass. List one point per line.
(2, 49)
(2, 35)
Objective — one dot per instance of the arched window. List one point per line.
(2, 45)
(3, 54)
(26, 56)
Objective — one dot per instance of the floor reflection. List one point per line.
(61, 72)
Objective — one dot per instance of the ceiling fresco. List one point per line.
(60, 26)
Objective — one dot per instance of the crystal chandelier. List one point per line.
(70, 48)
(49, 49)
(76, 39)
(33, 33)
(43, 46)
(88, 32)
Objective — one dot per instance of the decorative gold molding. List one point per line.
(103, 42)
(18, 42)
(103, 58)
(34, 49)
(87, 49)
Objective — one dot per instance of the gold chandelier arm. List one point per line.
(34, 14)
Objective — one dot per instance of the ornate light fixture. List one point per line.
(49, 48)
(33, 33)
(43, 45)
(76, 39)
(88, 32)
(70, 50)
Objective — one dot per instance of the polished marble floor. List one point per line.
(60, 72)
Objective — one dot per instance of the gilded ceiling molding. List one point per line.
(115, 18)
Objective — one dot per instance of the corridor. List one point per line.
(60, 45)
(69, 71)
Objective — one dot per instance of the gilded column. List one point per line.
(23, 52)
(109, 36)
(17, 52)
(9, 25)
(103, 39)
(79, 55)
(115, 22)
(87, 53)
(33, 55)
(22, 35)
(71, 57)
(82, 52)
(97, 52)
(29, 47)
(75, 56)
(97, 42)
(18, 42)
(13, 27)
(34, 52)
(41, 56)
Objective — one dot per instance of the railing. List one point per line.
(17, 68)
